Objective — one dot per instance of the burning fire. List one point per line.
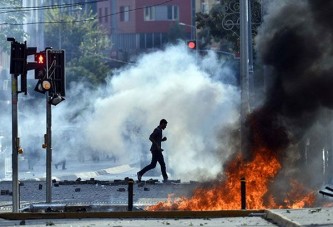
(259, 172)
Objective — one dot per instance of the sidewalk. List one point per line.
(302, 217)
(85, 170)
(284, 218)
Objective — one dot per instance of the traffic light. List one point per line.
(17, 57)
(19, 53)
(40, 69)
(56, 71)
(192, 44)
(43, 85)
(40, 58)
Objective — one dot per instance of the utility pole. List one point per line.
(18, 66)
(55, 72)
(244, 70)
(15, 140)
(51, 79)
(48, 151)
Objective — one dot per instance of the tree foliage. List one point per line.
(221, 24)
(176, 33)
(85, 42)
(11, 19)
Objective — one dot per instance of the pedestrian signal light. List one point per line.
(40, 58)
(192, 44)
(40, 65)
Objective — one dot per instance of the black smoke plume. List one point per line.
(295, 42)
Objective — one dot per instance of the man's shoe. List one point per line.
(165, 180)
(139, 176)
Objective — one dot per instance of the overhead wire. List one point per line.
(30, 8)
(87, 19)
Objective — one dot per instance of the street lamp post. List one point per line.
(193, 33)
(244, 70)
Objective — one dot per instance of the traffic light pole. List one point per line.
(18, 66)
(15, 145)
(48, 150)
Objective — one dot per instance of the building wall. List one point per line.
(130, 29)
(185, 16)
(104, 14)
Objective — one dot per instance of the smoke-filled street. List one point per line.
(208, 106)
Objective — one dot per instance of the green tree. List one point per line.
(85, 42)
(11, 19)
(216, 26)
(176, 32)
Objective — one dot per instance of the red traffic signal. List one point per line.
(192, 44)
(40, 58)
(40, 65)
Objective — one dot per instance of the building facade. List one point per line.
(138, 25)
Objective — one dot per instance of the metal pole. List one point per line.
(15, 144)
(48, 151)
(243, 193)
(244, 69)
(250, 51)
(130, 194)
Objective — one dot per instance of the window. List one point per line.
(173, 13)
(161, 13)
(149, 13)
(124, 13)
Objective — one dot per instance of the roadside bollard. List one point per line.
(130, 194)
(243, 193)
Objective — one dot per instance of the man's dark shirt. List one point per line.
(157, 137)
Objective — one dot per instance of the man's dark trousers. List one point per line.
(157, 156)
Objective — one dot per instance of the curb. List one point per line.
(280, 219)
(135, 214)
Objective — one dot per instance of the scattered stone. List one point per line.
(141, 184)
(4, 192)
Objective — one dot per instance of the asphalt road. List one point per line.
(113, 196)
(95, 192)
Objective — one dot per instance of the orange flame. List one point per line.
(225, 194)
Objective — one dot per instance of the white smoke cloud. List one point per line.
(170, 84)
(197, 96)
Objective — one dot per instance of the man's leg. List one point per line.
(152, 165)
(163, 167)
